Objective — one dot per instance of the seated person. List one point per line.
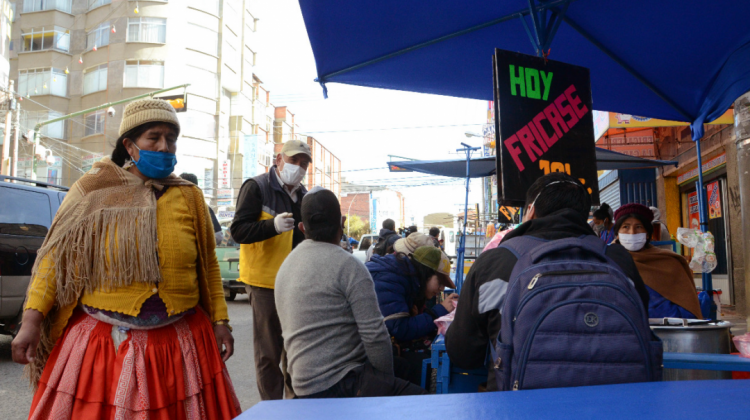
(556, 208)
(668, 278)
(334, 336)
(404, 283)
(603, 223)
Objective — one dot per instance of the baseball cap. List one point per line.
(320, 207)
(410, 244)
(295, 147)
(437, 260)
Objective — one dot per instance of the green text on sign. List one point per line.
(528, 82)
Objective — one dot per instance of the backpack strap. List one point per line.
(588, 243)
(522, 244)
(397, 315)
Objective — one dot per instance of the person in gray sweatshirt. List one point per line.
(336, 342)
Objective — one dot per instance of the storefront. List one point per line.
(716, 187)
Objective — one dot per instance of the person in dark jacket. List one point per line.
(557, 207)
(386, 238)
(403, 283)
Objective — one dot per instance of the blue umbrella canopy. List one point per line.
(684, 60)
(482, 167)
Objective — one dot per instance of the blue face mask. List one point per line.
(155, 164)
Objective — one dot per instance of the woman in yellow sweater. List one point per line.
(126, 307)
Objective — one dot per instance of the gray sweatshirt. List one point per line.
(329, 315)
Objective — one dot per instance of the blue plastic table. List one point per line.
(721, 400)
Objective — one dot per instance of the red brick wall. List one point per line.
(360, 207)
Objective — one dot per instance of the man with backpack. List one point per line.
(554, 305)
(386, 238)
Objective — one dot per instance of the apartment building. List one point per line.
(71, 55)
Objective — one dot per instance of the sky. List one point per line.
(362, 126)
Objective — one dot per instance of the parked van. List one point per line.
(27, 208)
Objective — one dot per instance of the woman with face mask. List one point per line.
(602, 223)
(125, 315)
(668, 278)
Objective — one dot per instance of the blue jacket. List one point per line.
(660, 307)
(396, 291)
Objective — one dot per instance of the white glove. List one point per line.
(283, 222)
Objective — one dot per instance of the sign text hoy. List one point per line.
(544, 117)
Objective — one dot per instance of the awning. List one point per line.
(482, 167)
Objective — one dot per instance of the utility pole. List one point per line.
(16, 134)
(5, 163)
(742, 138)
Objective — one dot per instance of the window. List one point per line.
(93, 4)
(204, 39)
(56, 130)
(94, 123)
(95, 79)
(39, 5)
(147, 30)
(140, 73)
(98, 37)
(50, 38)
(43, 81)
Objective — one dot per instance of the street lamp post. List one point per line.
(348, 222)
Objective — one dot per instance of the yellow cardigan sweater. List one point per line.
(178, 253)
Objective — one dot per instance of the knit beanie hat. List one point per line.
(636, 209)
(146, 111)
(410, 244)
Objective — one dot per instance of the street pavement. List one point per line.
(15, 395)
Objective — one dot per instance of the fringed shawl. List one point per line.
(103, 237)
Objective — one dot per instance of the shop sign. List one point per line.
(628, 120)
(224, 174)
(714, 200)
(544, 118)
(693, 211)
(711, 164)
(89, 160)
(226, 215)
(224, 203)
(224, 194)
(505, 214)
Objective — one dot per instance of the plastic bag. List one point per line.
(444, 322)
(742, 342)
(687, 237)
(704, 258)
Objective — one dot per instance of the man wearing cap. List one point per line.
(334, 334)
(266, 227)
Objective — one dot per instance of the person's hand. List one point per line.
(225, 341)
(23, 347)
(450, 302)
(283, 222)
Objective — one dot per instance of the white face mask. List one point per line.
(632, 242)
(291, 174)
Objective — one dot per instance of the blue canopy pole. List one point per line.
(703, 216)
(460, 252)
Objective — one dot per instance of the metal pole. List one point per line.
(5, 163)
(348, 222)
(107, 105)
(742, 138)
(703, 217)
(462, 243)
(16, 134)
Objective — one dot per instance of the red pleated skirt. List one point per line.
(173, 372)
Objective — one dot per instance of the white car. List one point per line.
(364, 244)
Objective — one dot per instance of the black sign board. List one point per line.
(544, 121)
(178, 102)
